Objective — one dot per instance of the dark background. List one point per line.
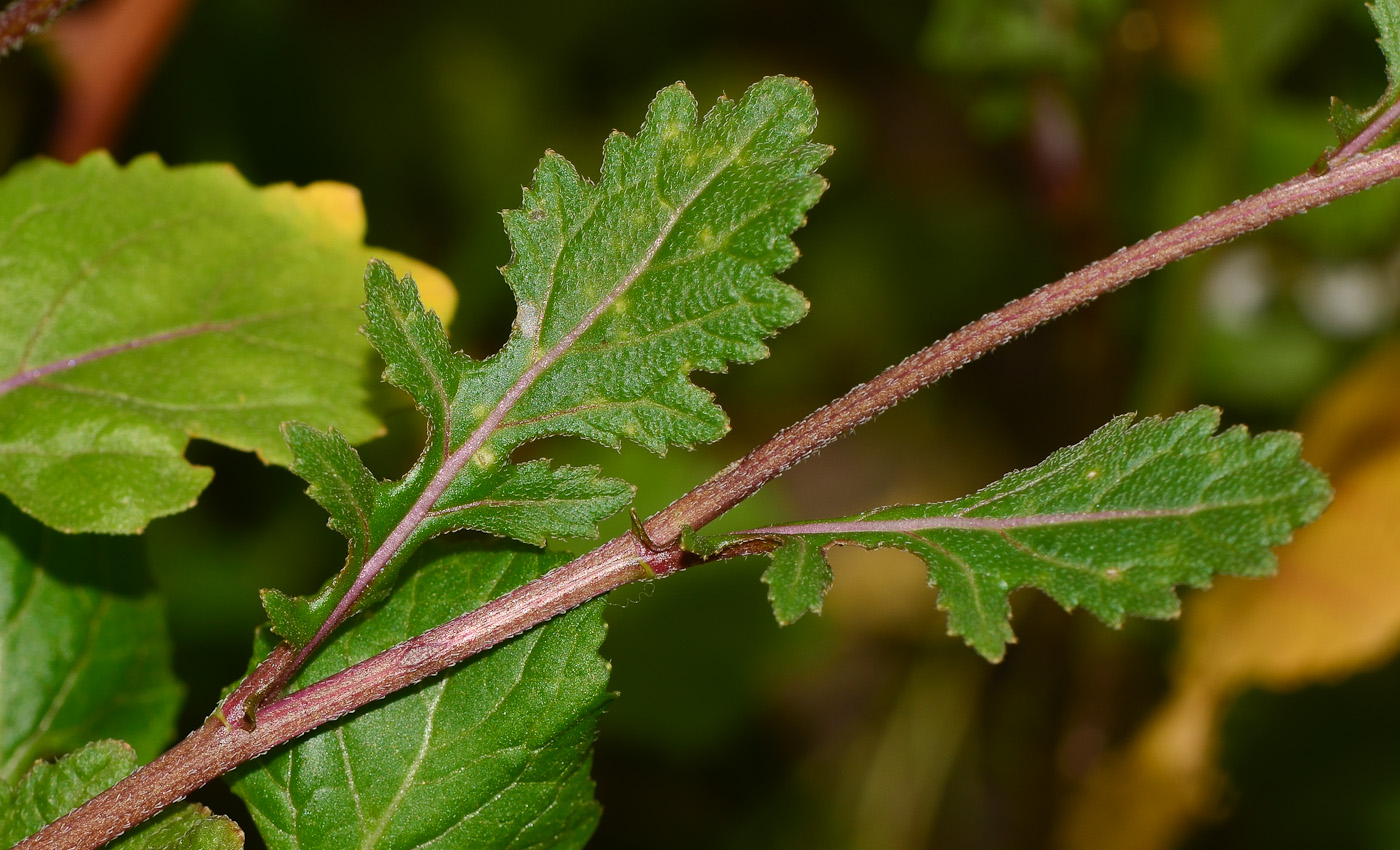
(982, 149)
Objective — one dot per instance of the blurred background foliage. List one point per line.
(983, 148)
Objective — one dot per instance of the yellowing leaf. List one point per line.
(339, 207)
(327, 205)
(145, 305)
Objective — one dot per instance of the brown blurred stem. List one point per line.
(227, 739)
(24, 18)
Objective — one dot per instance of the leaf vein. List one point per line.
(77, 666)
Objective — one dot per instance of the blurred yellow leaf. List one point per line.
(1332, 611)
(339, 207)
(1358, 417)
(1334, 607)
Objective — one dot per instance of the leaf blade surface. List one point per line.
(77, 662)
(493, 754)
(146, 305)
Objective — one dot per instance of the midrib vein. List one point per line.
(76, 668)
(966, 523)
(24, 377)
(386, 817)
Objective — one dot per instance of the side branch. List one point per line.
(215, 747)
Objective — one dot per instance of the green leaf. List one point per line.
(1112, 525)
(797, 579)
(145, 305)
(49, 791)
(1348, 121)
(530, 502)
(623, 287)
(674, 250)
(339, 482)
(493, 754)
(77, 662)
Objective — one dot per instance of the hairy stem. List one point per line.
(23, 18)
(218, 746)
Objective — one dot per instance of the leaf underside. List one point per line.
(624, 287)
(494, 754)
(145, 305)
(1348, 121)
(77, 662)
(49, 791)
(1112, 524)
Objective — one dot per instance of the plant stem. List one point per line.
(23, 18)
(217, 747)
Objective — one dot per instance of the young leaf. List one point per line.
(146, 305)
(494, 754)
(1112, 525)
(623, 288)
(76, 662)
(49, 791)
(1350, 122)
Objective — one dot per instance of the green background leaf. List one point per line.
(159, 304)
(84, 654)
(494, 754)
(1111, 524)
(49, 791)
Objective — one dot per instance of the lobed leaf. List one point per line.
(623, 287)
(77, 662)
(1348, 121)
(49, 791)
(146, 305)
(530, 502)
(1112, 525)
(666, 266)
(493, 754)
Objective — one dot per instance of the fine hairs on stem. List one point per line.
(226, 739)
